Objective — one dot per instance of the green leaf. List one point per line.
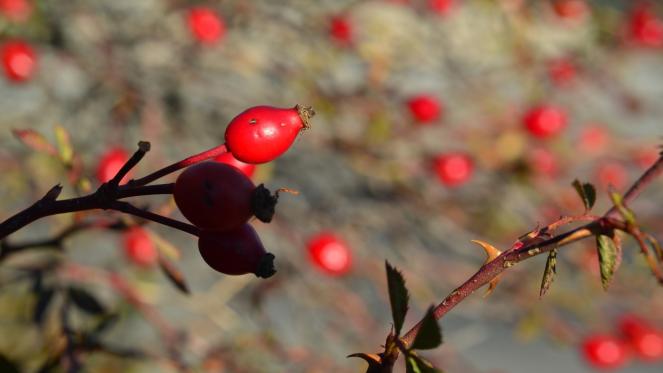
(174, 275)
(608, 252)
(64, 144)
(85, 301)
(587, 193)
(549, 272)
(625, 212)
(35, 141)
(398, 296)
(430, 334)
(417, 364)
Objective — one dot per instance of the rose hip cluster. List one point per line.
(219, 198)
(636, 338)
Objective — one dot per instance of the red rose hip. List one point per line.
(227, 158)
(16, 10)
(329, 253)
(424, 109)
(139, 248)
(205, 25)
(604, 352)
(236, 252)
(645, 340)
(545, 121)
(644, 27)
(214, 196)
(262, 133)
(453, 169)
(18, 60)
(110, 163)
(340, 30)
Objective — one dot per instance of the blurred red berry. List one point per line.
(330, 254)
(543, 162)
(228, 158)
(604, 352)
(425, 108)
(645, 340)
(593, 139)
(562, 71)
(139, 248)
(18, 60)
(110, 163)
(205, 25)
(453, 169)
(545, 121)
(574, 10)
(340, 30)
(441, 7)
(611, 174)
(645, 158)
(16, 10)
(645, 28)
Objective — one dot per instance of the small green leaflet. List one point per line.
(429, 335)
(398, 296)
(625, 212)
(64, 144)
(549, 272)
(587, 193)
(417, 364)
(607, 258)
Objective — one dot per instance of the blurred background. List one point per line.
(438, 122)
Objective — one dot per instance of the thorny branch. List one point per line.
(540, 243)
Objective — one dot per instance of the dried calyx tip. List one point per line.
(263, 203)
(266, 266)
(305, 113)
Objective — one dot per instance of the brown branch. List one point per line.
(511, 257)
(128, 208)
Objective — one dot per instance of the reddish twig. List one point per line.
(208, 154)
(511, 257)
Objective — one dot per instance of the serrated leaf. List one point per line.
(549, 272)
(398, 296)
(7, 366)
(64, 144)
(35, 141)
(491, 254)
(625, 212)
(174, 275)
(417, 364)
(43, 301)
(430, 334)
(86, 301)
(587, 193)
(607, 251)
